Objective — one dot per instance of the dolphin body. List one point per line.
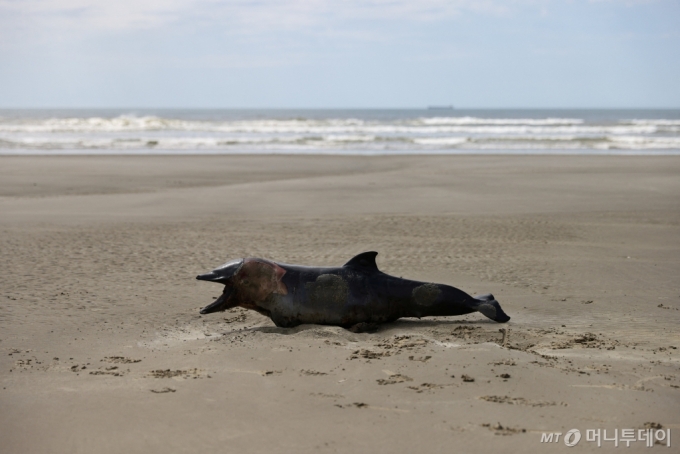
(353, 294)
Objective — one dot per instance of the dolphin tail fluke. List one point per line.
(490, 307)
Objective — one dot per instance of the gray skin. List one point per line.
(353, 294)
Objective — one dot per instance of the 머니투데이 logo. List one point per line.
(649, 436)
(570, 438)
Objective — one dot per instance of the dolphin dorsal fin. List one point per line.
(364, 260)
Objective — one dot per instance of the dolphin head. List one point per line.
(224, 275)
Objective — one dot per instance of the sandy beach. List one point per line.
(102, 348)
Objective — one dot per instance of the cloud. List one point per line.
(252, 16)
(240, 14)
(96, 14)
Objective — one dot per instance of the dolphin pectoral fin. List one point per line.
(220, 304)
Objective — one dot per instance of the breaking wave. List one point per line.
(402, 134)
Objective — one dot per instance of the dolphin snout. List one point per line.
(211, 276)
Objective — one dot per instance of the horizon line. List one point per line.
(431, 108)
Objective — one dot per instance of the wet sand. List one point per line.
(102, 349)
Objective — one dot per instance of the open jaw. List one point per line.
(222, 303)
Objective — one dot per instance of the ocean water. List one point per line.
(369, 132)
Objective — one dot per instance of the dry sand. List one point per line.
(102, 349)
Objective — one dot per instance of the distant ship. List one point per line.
(439, 107)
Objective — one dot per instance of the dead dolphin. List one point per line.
(355, 293)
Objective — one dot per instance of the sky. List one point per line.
(339, 54)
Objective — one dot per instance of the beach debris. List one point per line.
(520, 401)
(506, 336)
(113, 370)
(355, 405)
(167, 373)
(393, 379)
(312, 372)
(120, 360)
(429, 387)
(653, 425)
(269, 373)
(368, 354)
(422, 359)
(503, 430)
(163, 390)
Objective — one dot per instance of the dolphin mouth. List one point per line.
(220, 304)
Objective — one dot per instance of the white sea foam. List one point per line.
(357, 134)
(499, 121)
(350, 126)
(646, 143)
(441, 141)
(656, 122)
(339, 142)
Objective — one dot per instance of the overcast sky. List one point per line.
(351, 53)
